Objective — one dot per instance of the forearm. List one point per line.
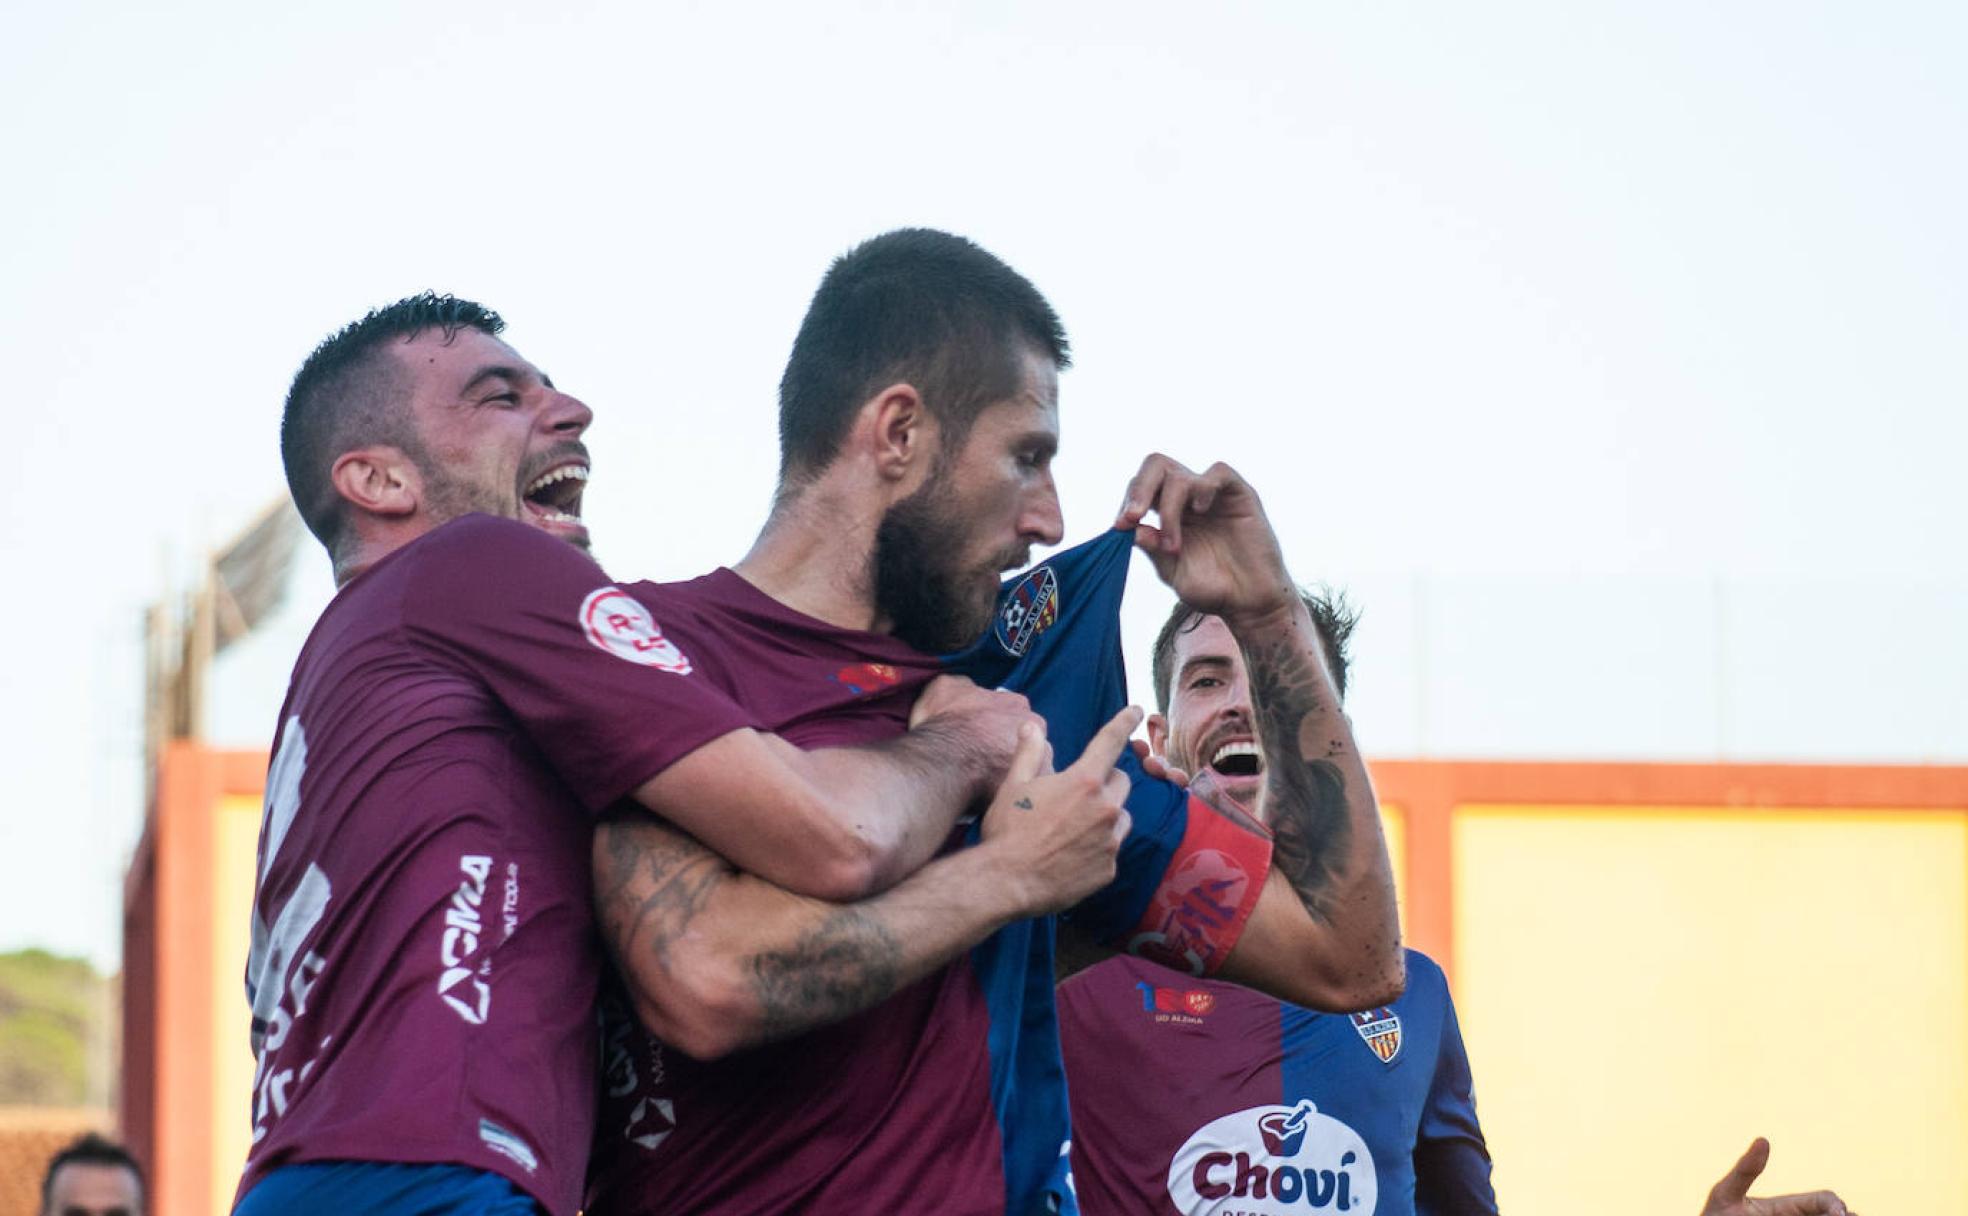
(1319, 804)
(717, 960)
(901, 797)
(833, 823)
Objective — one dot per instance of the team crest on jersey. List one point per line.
(617, 622)
(1028, 611)
(864, 678)
(1381, 1030)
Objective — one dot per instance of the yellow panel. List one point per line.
(1394, 825)
(1644, 990)
(235, 840)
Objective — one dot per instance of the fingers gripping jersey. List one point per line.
(949, 1096)
(1057, 640)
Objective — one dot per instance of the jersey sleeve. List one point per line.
(1451, 1160)
(1186, 882)
(583, 667)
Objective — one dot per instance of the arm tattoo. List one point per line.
(1305, 793)
(652, 882)
(846, 963)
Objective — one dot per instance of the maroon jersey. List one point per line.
(887, 1111)
(424, 961)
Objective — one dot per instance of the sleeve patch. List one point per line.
(1206, 895)
(617, 622)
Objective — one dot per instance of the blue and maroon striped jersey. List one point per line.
(1203, 1098)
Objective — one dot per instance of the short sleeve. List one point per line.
(1451, 1160)
(583, 667)
(1186, 882)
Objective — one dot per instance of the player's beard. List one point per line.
(930, 599)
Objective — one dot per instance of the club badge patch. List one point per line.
(1380, 1029)
(1028, 611)
(617, 622)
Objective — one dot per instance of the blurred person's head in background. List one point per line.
(94, 1176)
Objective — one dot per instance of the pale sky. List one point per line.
(1612, 355)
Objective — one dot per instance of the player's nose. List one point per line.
(1042, 520)
(1236, 701)
(567, 416)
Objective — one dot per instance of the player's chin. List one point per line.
(980, 606)
(1244, 789)
(558, 524)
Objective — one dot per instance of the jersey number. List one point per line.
(277, 981)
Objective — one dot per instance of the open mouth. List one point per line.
(554, 497)
(1237, 758)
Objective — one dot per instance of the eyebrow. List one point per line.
(1189, 666)
(516, 375)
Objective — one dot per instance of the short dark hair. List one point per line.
(1332, 616)
(89, 1149)
(347, 396)
(913, 305)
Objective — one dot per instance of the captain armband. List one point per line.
(1206, 895)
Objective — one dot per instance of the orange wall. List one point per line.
(178, 1016)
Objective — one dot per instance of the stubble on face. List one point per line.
(922, 588)
(468, 457)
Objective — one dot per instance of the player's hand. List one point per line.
(1057, 834)
(1156, 766)
(983, 724)
(1214, 547)
(1730, 1197)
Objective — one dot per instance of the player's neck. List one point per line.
(813, 555)
(370, 543)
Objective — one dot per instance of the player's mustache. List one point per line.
(1014, 559)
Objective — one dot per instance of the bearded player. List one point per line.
(424, 965)
(798, 1056)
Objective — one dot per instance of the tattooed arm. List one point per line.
(716, 960)
(1325, 932)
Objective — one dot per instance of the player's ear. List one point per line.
(378, 480)
(1158, 735)
(899, 433)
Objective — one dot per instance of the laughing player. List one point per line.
(424, 966)
(795, 1056)
(1198, 1097)
(1201, 1098)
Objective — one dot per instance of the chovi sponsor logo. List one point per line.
(1274, 1161)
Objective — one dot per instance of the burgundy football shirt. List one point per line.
(424, 964)
(887, 1111)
